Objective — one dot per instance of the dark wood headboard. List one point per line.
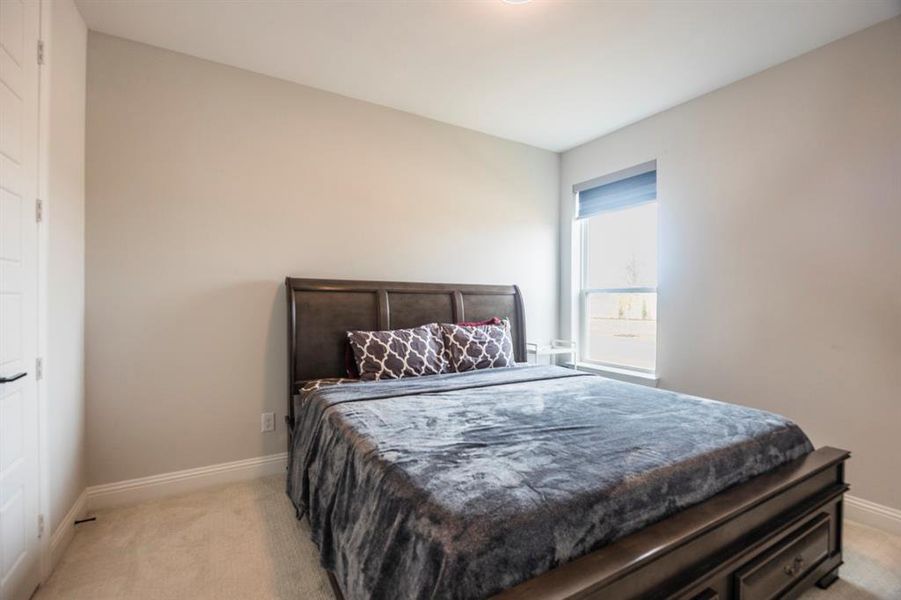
(321, 311)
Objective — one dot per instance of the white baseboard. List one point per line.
(872, 514)
(133, 491)
(65, 531)
(142, 489)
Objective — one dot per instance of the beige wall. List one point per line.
(207, 185)
(66, 37)
(780, 245)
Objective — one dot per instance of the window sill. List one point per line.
(628, 375)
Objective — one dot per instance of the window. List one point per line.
(617, 219)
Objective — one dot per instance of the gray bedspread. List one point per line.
(462, 485)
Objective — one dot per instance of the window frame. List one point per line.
(583, 292)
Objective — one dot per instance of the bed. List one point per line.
(539, 482)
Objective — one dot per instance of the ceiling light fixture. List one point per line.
(516, 1)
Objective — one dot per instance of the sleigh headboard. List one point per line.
(321, 311)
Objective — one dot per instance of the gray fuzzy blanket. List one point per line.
(462, 485)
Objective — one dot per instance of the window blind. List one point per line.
(621, 193)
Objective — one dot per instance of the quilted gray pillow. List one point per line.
(471, 347)
(398, 353)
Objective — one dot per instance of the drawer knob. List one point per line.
(794, 568)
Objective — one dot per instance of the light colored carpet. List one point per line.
(243, 542)
(235, 542)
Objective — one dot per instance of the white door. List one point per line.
(19, 549)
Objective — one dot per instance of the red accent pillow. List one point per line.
(491, 321)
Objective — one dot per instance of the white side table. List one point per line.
(549, 353)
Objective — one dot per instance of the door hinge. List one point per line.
(40, 526)
(38, 210)
(40, 52)
(38, 369)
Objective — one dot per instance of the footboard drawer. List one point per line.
(781, 567)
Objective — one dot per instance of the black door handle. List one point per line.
(12, 378)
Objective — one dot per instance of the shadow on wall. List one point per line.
(227, 360)
(177, 381)
(275, 366)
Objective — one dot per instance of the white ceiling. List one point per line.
(548, 73)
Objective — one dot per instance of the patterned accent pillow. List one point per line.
(479, 346)
(398, 353)
(316, 384)
(350, 363)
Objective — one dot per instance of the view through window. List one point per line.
(619, 291)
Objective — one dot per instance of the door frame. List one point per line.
(46, 535)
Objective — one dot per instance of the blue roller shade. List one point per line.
(622, 193)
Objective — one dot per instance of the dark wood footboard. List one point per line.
(771, 537)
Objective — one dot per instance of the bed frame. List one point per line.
(773, 536)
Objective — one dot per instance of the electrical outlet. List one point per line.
(267, 422)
